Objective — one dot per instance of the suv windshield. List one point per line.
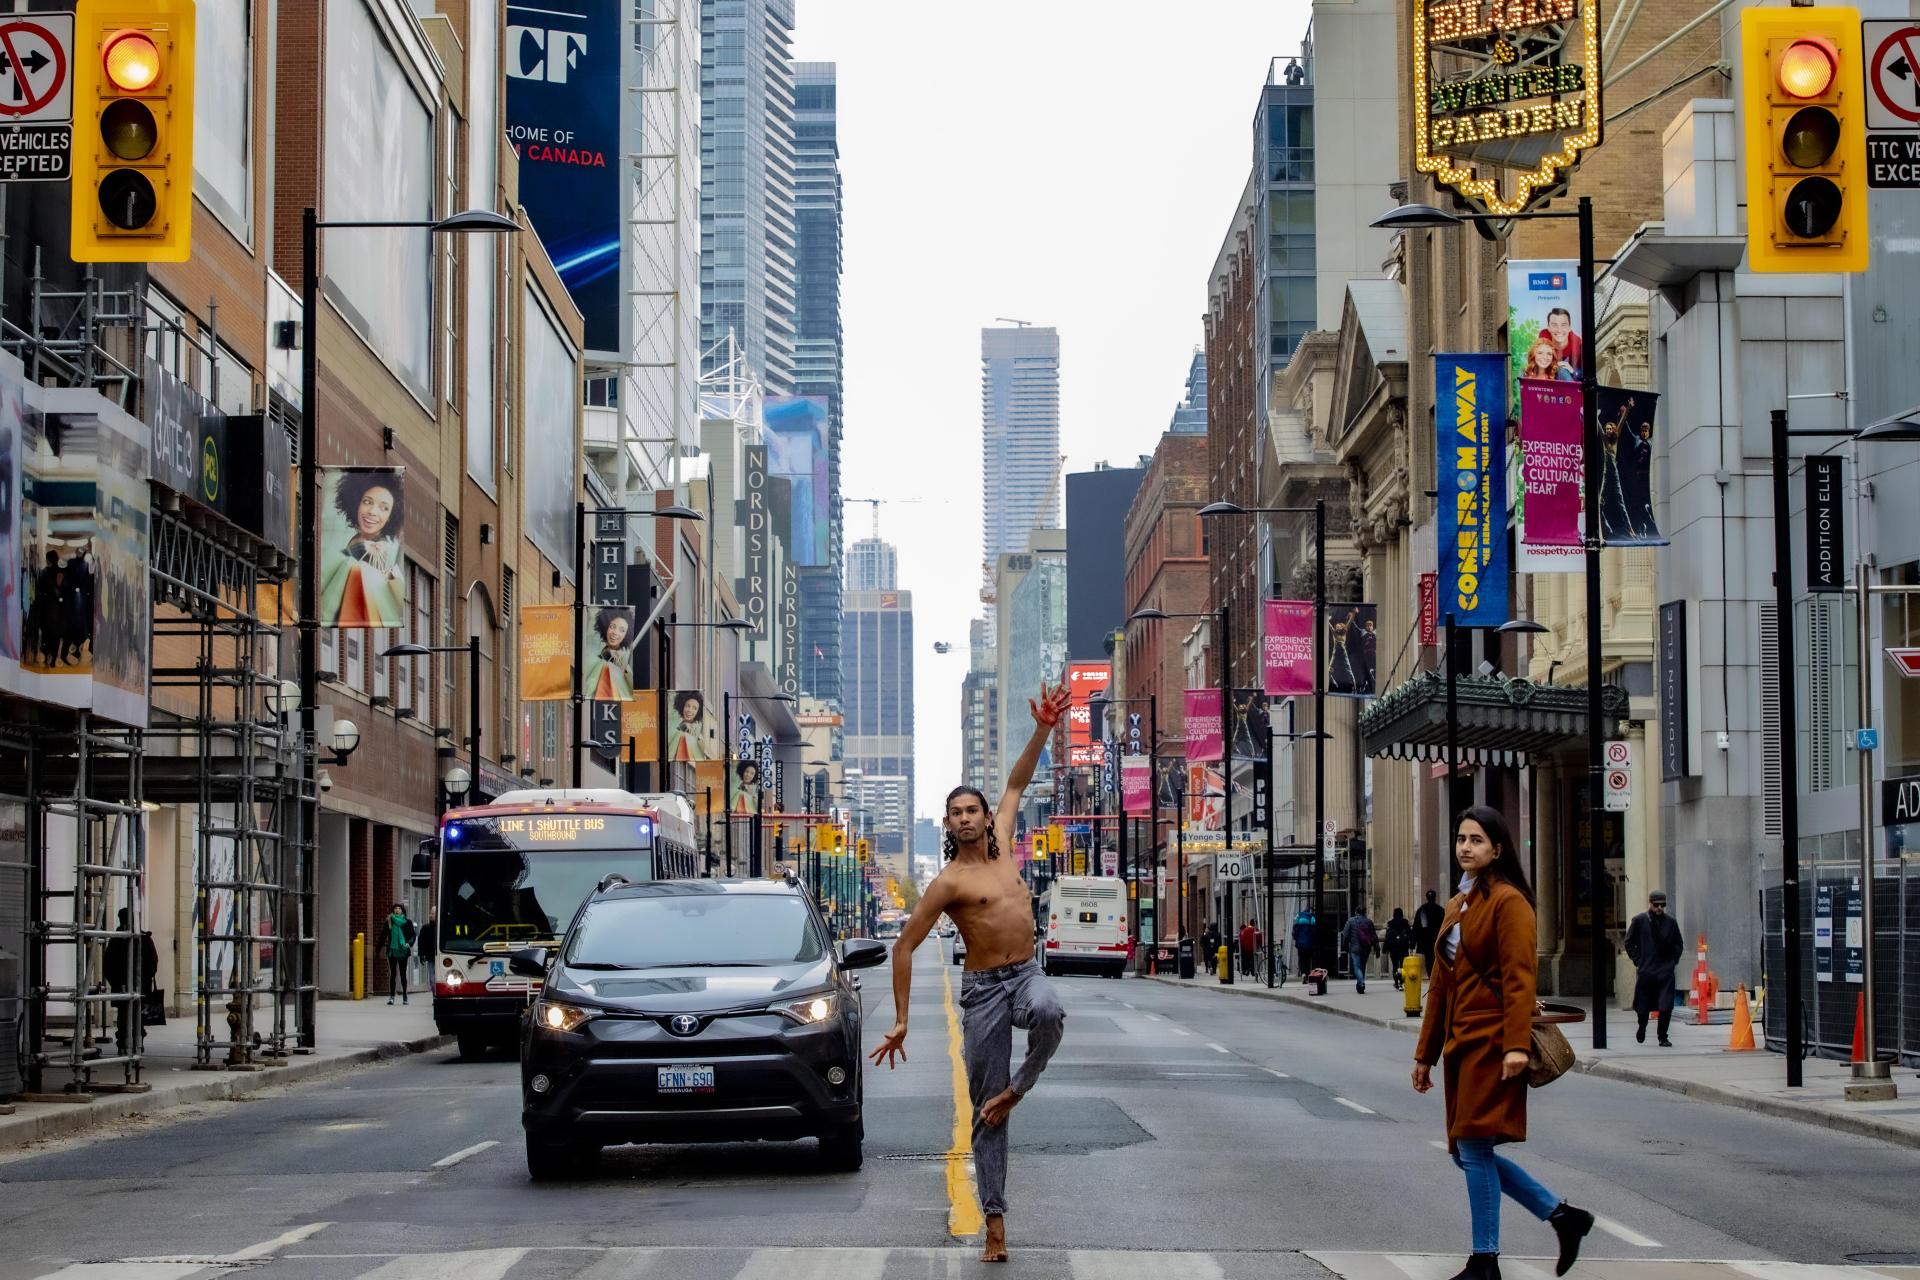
(704, 929)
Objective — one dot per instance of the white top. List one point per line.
(1451, 943)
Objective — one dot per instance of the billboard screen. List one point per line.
(797, 451)
(563, 118)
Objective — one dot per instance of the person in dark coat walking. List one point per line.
(1655, 946)
(131, 964)
(1304, 926)
(1398, 942)
(1426, 928)
(1210, 946)
(1358, 939)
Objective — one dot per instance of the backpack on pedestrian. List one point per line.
(1364, 935)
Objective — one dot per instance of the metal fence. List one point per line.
(1831, 1004)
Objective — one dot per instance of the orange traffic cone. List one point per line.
(1860, 1028)
(1742, 1037)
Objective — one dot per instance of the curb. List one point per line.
(1816, 1115)
(68, 1119)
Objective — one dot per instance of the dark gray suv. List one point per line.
(692, 1011)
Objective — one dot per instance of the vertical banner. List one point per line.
(1252, 727)
(744, 784)
(1085, 682)
(1626, 468)
(1286, 648)
(640, 726)
(1471, 423)
(1823, 933)
(1551, 459)
(13, 426)
(609, 667)
(1353, 646)
(1136, 783)
(113, 592)
(1429, 610)
(1826, 529)
(1204, 725)
(363, 571)
(546, 652)
(709, 787)
(691, 731)
(1543, 322)
(1671, 643)
(1206, 798)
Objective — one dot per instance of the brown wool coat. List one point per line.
(1471, 1022)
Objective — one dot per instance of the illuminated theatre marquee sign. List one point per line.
(1504, 89)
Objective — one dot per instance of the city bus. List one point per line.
(512, 873)
(1085, 923)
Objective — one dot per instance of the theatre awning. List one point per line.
(1501, 721)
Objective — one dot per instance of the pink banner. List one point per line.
(1136, 784)
(1286, 648)
(1205, 740)
(1551, 457)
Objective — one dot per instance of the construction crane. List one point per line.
(875, 504)
(1024, 324)
(987, 589)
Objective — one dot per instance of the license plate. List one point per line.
(1089, 917)
(686, 1079)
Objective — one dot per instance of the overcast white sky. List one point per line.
(1067, 162)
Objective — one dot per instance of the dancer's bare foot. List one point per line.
(995, 1247)
(998, 1108)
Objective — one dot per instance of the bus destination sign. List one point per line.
(543, 828)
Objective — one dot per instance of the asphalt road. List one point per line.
(1179, 1134)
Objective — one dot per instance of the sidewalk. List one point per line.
(1698, 1065)
(350, 1033)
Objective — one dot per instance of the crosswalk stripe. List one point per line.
(470, 1264)
(1106, 1264)
(126, 1271)
(814, 1264)
(622, 1264)
(1620, 1231)
(1424, 1266)
(1524, 1270)
(1799, 1271)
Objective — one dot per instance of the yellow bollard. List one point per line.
(1412, 971)
(1221, 960)
(359, 966)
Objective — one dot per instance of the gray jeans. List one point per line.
(992, 1003)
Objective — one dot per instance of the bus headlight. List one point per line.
(810, 1010)
(551, 1015)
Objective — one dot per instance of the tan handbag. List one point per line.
(1549, 1055)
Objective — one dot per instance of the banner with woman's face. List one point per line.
(363, 568)
(692, 732)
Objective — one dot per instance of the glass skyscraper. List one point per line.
(747, 252)
(879, 696)
(1020, 426)
(1283, 152)
(1190, 415)
(818, 348)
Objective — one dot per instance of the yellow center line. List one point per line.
(963, 1201)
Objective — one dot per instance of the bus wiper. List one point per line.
(602, 965)
(710, 964)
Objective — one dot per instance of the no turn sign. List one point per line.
(36, 98)
(1893, 73)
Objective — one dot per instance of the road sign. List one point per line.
(36, 99)
(1906, 660)
(1866, 739)
(1233, 866)
(1109, 862)
(1619, 755)
(1619, 790)
(1890, 49)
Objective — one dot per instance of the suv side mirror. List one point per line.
(861, 953)
(529, 962)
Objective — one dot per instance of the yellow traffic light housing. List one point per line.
(1806, 145)
(132, 131)
(863, 851)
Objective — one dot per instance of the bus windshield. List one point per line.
(517, 879)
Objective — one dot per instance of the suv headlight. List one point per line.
(810, 1009)
(552, 1015)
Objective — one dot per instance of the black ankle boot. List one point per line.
(1480, 1266)
(1571, 1225)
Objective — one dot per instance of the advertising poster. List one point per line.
(611, 632)
(116, 583)
(13, 425)
(1823, 933)
(1252, 727)
(1852, 942)
(1543, 322)
(546, 652)
(709, 786)
(1547, 478)
(1353, 646)
(563, 118)
(640, 726)
(363, 570)
(1204, 725)
(1085, 681)
(1206, 799)
(693, 732)
(1470, 462)
(1626, 468)
(744, 787)
(1136, 783)
(797, 451)
(1286, 648)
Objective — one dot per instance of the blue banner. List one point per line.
(563, 117)
(1470, 417)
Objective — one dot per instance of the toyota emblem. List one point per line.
(684, 1024)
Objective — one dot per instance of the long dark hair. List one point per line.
(950, 846)
(1506, 864)
(355, 485)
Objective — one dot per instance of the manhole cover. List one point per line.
(913, 1155)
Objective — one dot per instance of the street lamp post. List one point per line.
(1412, 216)
(472, 649)
(469, 222)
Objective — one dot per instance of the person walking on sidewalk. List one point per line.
(1004, 986)
(400, 935)
(1210, 943)
(1303, 930)
(1655, 946)
(1358, 939)
(1479, 1026)
(1399, 942)
(1249, 947)
(1426, 928)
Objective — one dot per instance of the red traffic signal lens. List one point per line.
(1811, 136)
(131, 61)
(1812, 207)
(1807, 68)
(128, 129)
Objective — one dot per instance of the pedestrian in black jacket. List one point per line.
(1426, 929)
(1399, 941)
(130, 970)
(1655, 946)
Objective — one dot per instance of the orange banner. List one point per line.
(546, 654)
(640, 726)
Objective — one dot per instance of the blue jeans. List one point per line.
(1488, 1175)
(1358, 959)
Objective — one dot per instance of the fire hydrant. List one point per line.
(1220, 962)
(1412, 971)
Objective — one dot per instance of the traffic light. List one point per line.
(1806, 142)
(863, 851)
(132, 130)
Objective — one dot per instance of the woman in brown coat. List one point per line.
(1478, 1024)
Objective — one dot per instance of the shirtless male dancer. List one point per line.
(1003, 987)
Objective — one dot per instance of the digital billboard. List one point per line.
(797, 449)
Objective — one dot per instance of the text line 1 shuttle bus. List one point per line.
(512, 873)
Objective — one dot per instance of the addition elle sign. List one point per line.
(1900, 800)
(1826, 533)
